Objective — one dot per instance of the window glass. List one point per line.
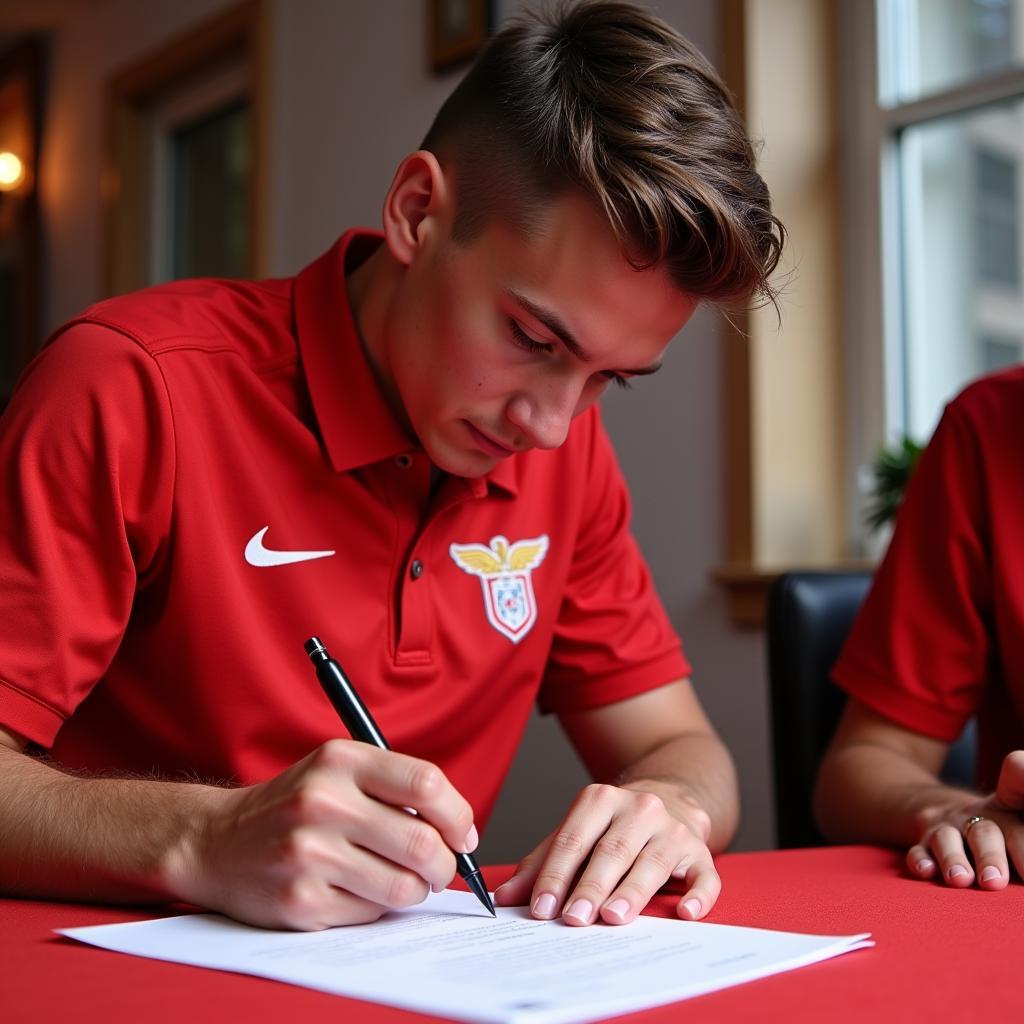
(961, 198)
(934, 45)
(210, 229)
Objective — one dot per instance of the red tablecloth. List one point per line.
(941, 955)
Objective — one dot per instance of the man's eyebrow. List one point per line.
(553, 322)
(557, 326)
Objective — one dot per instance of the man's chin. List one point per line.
(468, 468)
(468, 464)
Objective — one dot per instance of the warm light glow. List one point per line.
(12, 171)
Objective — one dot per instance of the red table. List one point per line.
(941, 955)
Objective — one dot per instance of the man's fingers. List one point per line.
(310, 904)
(703, 893)
(516, 891)
(986, 842)
(403, 781)
(1010, 788)
(620, 878)
(403, 839)
(569, 848)
(947, 845)
(1015, 848)
(316, 861)
(650, 873)
(920, 861)
(379, 881)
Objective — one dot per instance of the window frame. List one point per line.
(873, 257)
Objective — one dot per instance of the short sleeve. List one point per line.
(613, 638)
(919, 650)
(86, 483)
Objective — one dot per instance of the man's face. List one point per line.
(494, 346)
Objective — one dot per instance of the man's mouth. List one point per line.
(488, 444)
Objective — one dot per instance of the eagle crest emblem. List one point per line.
(504, 570)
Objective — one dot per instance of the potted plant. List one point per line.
(890, 472)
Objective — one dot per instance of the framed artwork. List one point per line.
(458, 29)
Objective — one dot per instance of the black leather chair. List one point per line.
(809, 615)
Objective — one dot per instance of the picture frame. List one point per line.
(458, 28)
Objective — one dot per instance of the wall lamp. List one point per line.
(12, 171)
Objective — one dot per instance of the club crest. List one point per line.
(504, 570)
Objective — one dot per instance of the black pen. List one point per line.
(359, 722)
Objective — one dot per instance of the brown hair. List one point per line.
(603, 96)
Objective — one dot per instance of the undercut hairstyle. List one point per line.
(604, 97)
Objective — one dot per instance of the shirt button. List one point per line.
(416, 569)
(403, 461)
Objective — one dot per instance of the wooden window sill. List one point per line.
(746, 585)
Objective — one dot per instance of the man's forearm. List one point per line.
(868, 793)
(688, 771)
(112, 840)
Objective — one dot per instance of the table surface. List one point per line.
(941, 954)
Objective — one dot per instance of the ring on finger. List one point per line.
(970, 823)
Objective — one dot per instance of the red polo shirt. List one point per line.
(941, 635)
(198, 477)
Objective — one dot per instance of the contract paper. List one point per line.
(447, 957)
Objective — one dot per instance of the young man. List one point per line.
(939, 640)
(399, 451)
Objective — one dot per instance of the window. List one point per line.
(996, 205)
(199, 139)
(934, 114)
(184, 178)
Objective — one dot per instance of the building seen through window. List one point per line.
(951, 98)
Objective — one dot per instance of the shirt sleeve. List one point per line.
(86, 482)
(613, 638)
(919, 649)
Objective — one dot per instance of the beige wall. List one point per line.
(796, 387)
(349, 94)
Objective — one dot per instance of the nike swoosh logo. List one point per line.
(259, 555)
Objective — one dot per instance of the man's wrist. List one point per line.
(182, 867)
(679, 800)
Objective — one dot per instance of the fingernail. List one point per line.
(924, 865)
(692, 907)
(990, 873)
(581, 910)
(544, 906)
(472, 839)
(957, 871)
(618, 908)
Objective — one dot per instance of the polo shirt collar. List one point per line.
(356, 423)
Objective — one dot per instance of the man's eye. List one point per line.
(523, 340)
(617, 379)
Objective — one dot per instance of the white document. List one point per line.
(448, 957)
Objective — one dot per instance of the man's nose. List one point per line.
(543, 417)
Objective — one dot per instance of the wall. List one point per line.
(349, 95)
(92, 42)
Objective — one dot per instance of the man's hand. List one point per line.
(327, 842)
(994, 842)
(879, 782)
(616, 847)
(324, 843)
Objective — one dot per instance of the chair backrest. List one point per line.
(809, 616)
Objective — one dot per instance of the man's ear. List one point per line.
(416, 204)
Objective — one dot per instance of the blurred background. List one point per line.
(145, 141)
